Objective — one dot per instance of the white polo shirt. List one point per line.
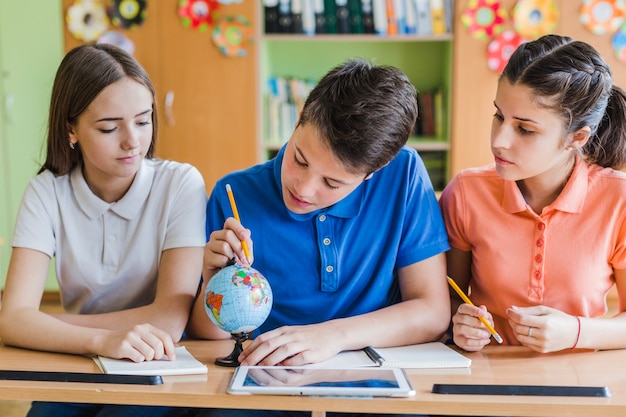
(107, 254)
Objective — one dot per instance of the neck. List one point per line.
(541, 191)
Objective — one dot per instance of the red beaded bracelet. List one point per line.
(577, 334)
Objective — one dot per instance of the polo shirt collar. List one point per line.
(127, 207)
(571, 199)
(347, 208)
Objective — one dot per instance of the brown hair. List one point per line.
(365, 112)
(84, 72)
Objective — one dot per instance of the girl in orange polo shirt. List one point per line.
(539, 237)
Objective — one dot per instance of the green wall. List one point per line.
(31, 47)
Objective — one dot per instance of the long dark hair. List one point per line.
(571, 78)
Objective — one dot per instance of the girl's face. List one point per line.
(527, 140)
(312, 176)
(114, 133)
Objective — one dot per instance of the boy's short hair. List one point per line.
(364, 112)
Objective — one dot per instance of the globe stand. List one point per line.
(231, 360)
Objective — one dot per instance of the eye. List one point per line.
(498, 116)
(332, 187)
(298, 162)
(524, 131)
(108, 130)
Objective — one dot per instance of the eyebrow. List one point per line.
(521, 119)
(111, 119)
(299, 151)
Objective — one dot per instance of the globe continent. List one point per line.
(238, 299)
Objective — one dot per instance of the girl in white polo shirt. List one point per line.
(126, 230)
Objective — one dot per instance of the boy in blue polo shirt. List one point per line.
(345, 225)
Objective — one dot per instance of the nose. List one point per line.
(501, 136)
(304, 185)
(131, 138)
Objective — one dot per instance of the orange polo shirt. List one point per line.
(562, 258)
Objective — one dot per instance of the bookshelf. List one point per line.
(426, 59)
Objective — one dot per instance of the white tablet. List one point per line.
(302, 380)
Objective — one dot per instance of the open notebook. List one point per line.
(185, 364)
(424, 355)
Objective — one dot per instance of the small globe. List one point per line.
(238, 299)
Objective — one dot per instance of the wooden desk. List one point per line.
(495, 365)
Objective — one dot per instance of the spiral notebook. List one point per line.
(423, 355)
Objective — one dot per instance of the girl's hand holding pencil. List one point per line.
(472, 326)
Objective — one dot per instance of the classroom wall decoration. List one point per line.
(607, 17)
(484, 18)
(87, 19)
(127, 14)
(232, 34)
(197, 14)
(535, 18)
(506, 30)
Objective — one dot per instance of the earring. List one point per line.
(72, 145)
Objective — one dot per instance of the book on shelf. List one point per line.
(437, 17)
(330, 16)
(184, 364)
(343, 16)
(382, 17)
(367, 14)
(270, 9)
(355, 16)
(423, 17)
(423, 355)
(297, 18)
(285, 18)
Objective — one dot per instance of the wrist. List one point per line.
(577, 333)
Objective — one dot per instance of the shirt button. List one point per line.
(541, 226)
(322, 217)
(539, 242)
(538, 258)
(112, 238)
(537, 274)
(327, 241)
(330, 268)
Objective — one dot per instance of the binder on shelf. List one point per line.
(343, 16)
(437, 16)
(297, 24)
(379, 11)
(308, 17)
(410, 17)
(367, 14)
(400, 16)
(392, 22)
(423, 19)
(320, 16)
(285, 20)
(330, 16)
(270, 8)
(355, 16)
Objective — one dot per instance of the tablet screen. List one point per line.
(320, 381)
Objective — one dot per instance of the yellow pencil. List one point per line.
(468, 301)
(233, 206)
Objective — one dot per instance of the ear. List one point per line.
(70, 132)
(579, 138)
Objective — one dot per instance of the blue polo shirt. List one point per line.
(339, 261)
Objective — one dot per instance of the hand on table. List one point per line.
(542, 328)
(292, 346)
(142, 342)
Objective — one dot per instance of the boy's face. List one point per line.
(312, 177)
